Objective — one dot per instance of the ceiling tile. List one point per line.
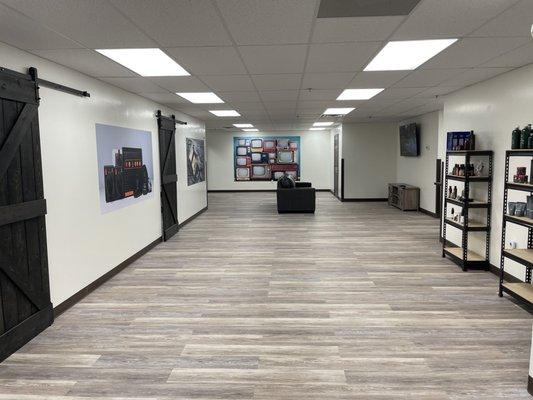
(87, 61)
(518, 57)
(136, 85)
(376, 105)
(268, 22)
(229, 82)
(324, 80)
(281, 114)
(277, 81)
(319, 94)
(95, 23)
(354, 29)
(377, 79)
(240, 97)
(364, 8)
(449, 18)
(428, 77)
(471, 52)
(249, 106)
(255, 115)
(180, 83)
(22, 32)
(314, 104)
(437, 91)
(274, 59)
(280, 105)
(515, 21)
(174, 23)
(208, 60)
(474, 75)
(340, 57)
(398, 93)
(278, 95)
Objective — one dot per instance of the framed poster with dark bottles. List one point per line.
(266, 158)
(125, 170)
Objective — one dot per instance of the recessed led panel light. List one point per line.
(407, 55)
(358, 94)
(145, 62)
(323, 123)
(317, 129)
(201, 97)
(243, 125)
(339, 111)
(225, 113)
(251, 130)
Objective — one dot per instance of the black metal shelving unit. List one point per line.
(523, 291)
(461, 255)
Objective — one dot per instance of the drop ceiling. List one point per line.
(276, 62)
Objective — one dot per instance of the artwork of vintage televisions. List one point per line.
(266, 158)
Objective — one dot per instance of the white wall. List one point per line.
(492, 109)
(420, 171)
(315, 160)
(369, 151)
(82, 243)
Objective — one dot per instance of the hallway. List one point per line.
(354, 302)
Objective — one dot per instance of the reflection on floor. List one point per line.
(354, 302)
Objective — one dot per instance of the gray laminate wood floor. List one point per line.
(354, 302)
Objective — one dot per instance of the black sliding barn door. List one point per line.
(169, 177)
(336, 165)
(25, 307)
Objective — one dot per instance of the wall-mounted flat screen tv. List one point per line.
(409, 140)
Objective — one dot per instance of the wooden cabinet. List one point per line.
(403, 196)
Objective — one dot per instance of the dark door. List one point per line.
(336, 165)
(438, 187)
(25, 307)
(169, 177)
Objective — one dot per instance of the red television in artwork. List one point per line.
(261, 171)
(269, 145)
(279, 169)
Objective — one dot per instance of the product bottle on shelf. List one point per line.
(524, 137)
(515, 141)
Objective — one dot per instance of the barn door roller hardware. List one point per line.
(57, 86)
(158, 114)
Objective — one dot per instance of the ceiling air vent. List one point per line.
(332, 115)
(365, 8)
